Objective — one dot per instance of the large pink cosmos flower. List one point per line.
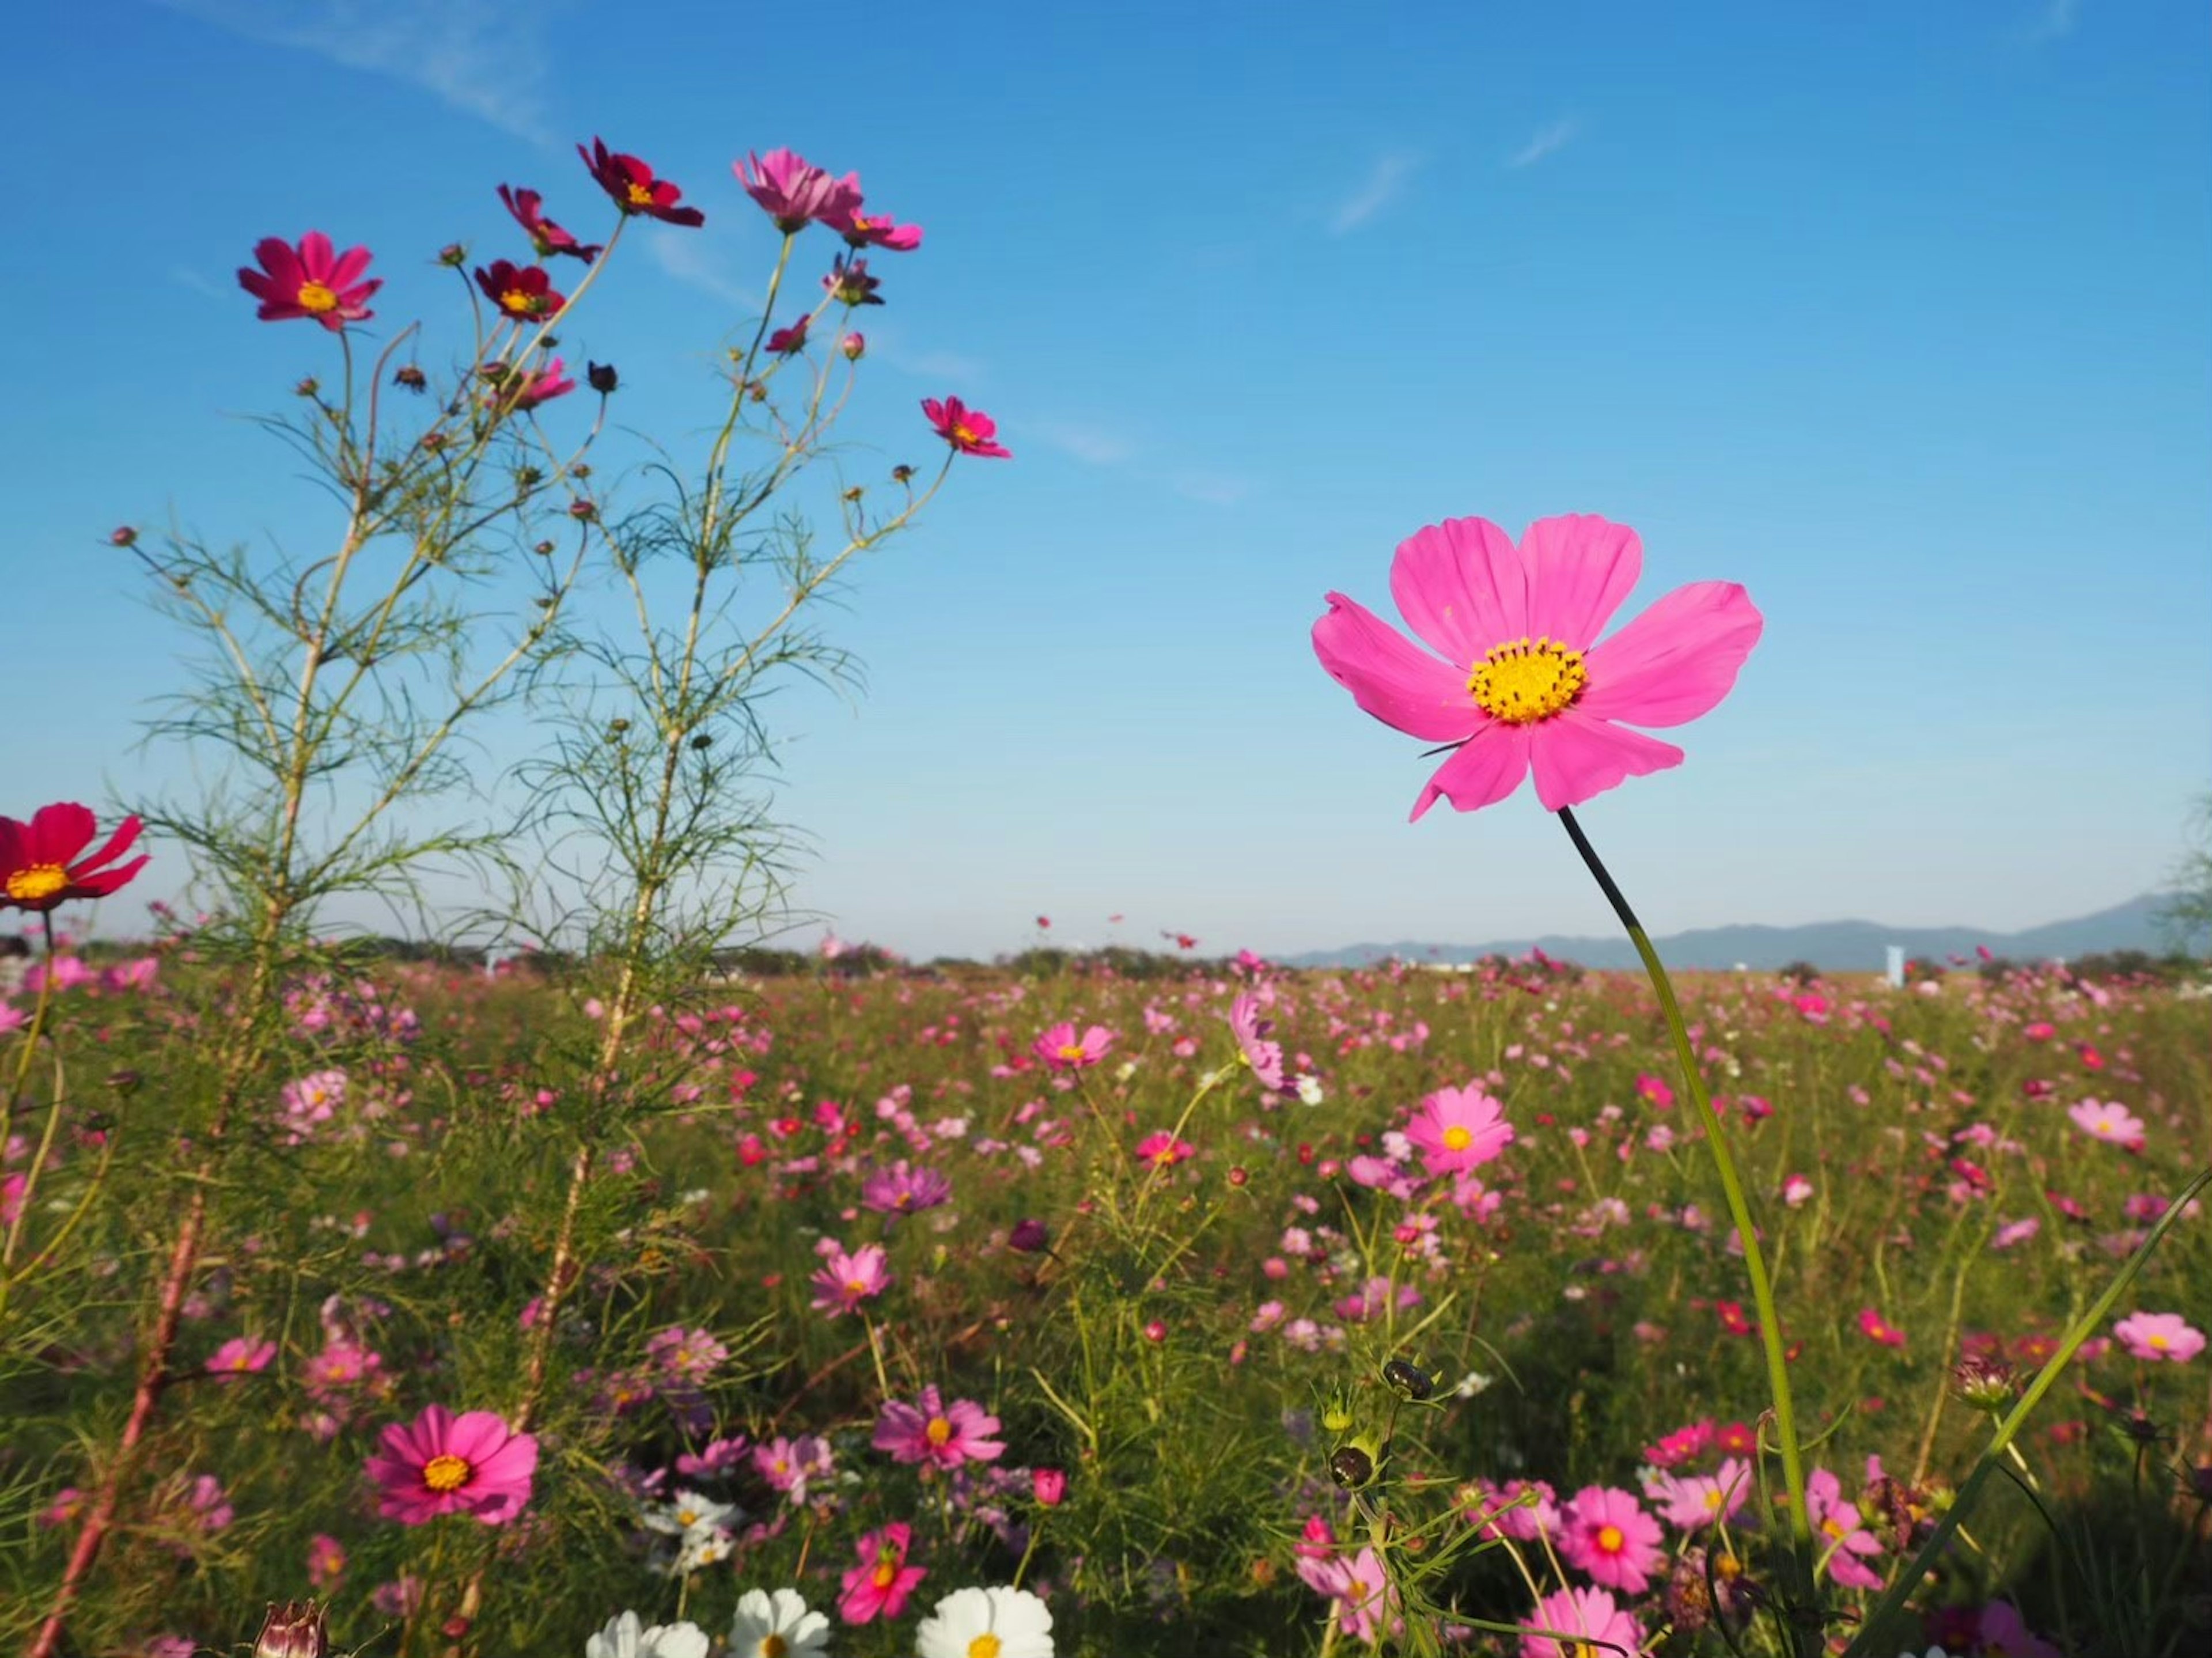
(43, 863)
(444, 1464)
(1518, 680)
(791, 190)
(1607, 1630)
(944, 1436)
(313, 280)
(2150, 1336)
(1606, 1533)
(2108, 1120)
(1062, 1049)
(844, 1281)
(1458, 1129)
(879, 1585)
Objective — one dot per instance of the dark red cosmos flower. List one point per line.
(849, 282)
(313, 280)
(786, 340)
(633, 187)
(36, 867)
(545, 236)
(970, 431)
(523, 291)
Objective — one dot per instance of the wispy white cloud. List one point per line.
(925, 362)
(1385, 182)
(1548, 141)
(199, 285)
(1091, 445)
(2055, 21)
(1213, 489)
(690, 259)
(483, 58)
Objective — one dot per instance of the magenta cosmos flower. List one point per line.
(1062, 1049)
(879, 1585)
(1458, 1129)
(523, 292)
(1589, 1613)
(844, 1281)
(313, 280)
(547, 237)
(43, 863)
(1518, 680)
(970, 431)
(792, 190)
(943, 1435)
(1255, 1043)
(1606, 1533)
(445, 1464)
(2160, 1335)
(630, 183)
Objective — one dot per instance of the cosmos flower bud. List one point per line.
(123, 535)
(454, 254)
(854, 346)
(1049, 1485)
(298, 1629)
(1985, 1383)
(602, 376)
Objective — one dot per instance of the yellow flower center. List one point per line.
(964, 433)
(2159, 1342)
(773, 1646)
(886, 1572)
(640, 195)
(1713, 1500)
(939, 1432)
(1526, 679)
(1071, 1052)
(28, 886)
(856, 1286)
(984, 1646)
(517, 302)
(1609, 1538)
(1457, 1139)
(687, 1518)
(446, 1472)
(317, 296)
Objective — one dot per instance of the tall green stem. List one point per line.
(1754, 1260)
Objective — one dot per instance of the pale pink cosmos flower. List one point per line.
(2109, 1121)
(845, 1281)
(1606, 1533)
(1458, 1129)
(942, 1436)
(1518, 679)
(1840, 1531)
(1588, 1614)
(2151, 1336)
(240, 1356)
(792, 190)
(471, 1464)
(1255, 1043)
(1691, 1502)
(1062, 1049)
(1525, 1510)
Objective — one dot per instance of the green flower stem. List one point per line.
(1754, 1260)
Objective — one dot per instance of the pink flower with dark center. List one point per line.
(1458, 1129)
(471, 1464)
(313, 280)
(1519, 680)
(879, 1585)
(1604, 1532)
(43, 863)
(2109, 1121)
(794, 193)
(2151, 1336)
(546, 237)
(970, 431)
(631, 186)
(1604, 1630)
(845, 1281)
(939, 1434)
(1062, 1049)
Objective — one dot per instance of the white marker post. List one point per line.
(1895, 973)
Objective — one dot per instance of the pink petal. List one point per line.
(13, 844)
(1676, 661)
(118, 844)
(1462, 586)
(475, 1435)
(1580, 570)
(1575, 756)
(1390, 677)
(349, 265)
(1487, 767)
(276, 256)
(100, 883)
(315, 254)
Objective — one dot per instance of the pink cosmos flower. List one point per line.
(43, 864)
(1607, 1631)
(793, 192)
(547, 238)
(240, 1356)
(1062, 1049)
(444, 1464)
(879, 1585)
(1369, 1600)
(313, 280)
(1253, 1042)
(326, 1561)
(1691, 1502)
(2107, 1120)
(1841, 1533)
(1606, 1534)
(941, 1436)
(2151, 1336)
(861, 230)
(1519, 680)
(523, 292)
(789, 1464)
(1163, 1149)
(784, 341)
(844, 1281)
(634, 188)
(2004, 1633)
(1458, 1129)
(1876, 1327)
(900, 1190)
(970, 431)
(1522, 1510)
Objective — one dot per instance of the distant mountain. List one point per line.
(1833, 946)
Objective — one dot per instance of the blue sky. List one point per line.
(1896, 313)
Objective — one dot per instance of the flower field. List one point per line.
(907, 1290)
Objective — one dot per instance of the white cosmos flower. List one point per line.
(993, 1623)
(624, 1638)
(689, 1515)
(1309, 1088)
(776, 1625)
